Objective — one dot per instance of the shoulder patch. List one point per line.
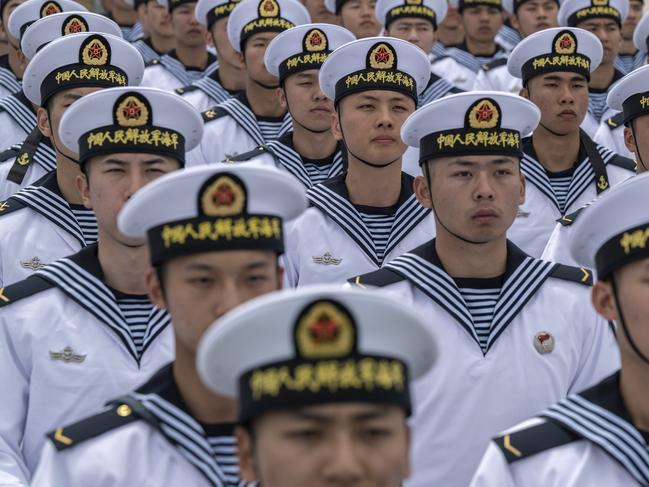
(213, 114)
(10, 153)
(23, 289)
(120, 413)
(535, 439)
(246, 156)
(379, 278)
(445, 56)
(581, 275)
(10, 205)
(623, 162)
(494, 64)
(186, 89)
(615, 121)
(569, 219)
(153, 62)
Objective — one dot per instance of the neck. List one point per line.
(162, 44)
(602, 77)
(462, 259)
(480, 48)
(373, 186)
(66, 175)
(124, 267)
(232, 78)
(263, 102)
(192, 56)
(204, 405)
(450, 37)
(628, 47)
(313, 145)
(634, 386)
(124, 17)
(15, 63)
(555, 153)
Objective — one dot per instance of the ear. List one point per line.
(154, 289)
(43, 122)
(523, 188)
(335, 124)
(524, 93)
(245, 452)
(81, 182)
(603, 300)
(280, 276)
(513, 19)
(407, 472)
(242, 58)
(422, 191)
(281, 95)
(22, 59)
(629, 140)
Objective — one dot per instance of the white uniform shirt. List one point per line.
(158, 444)
(597, 104)
(9, 83)
(438, 87)
(17, 119)
(64, 351)
(585, 440)
(539, 213)
(206, 92)
(168, 73)
(610, 134)
(37, 226)
(146, 49)
(495, 77)
(460, 67)
(24, 164)
(231, 129)
(469, 394)
(330, 242)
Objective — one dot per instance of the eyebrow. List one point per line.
(198, 266)
(468, 162)
(326, 419)
(554, 77)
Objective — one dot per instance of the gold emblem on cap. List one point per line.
(74, 25)
(132, 112)
(268, 8)
(413, 2)
(315, 41)
(382, 57)
(324, 331)
(50, 8)
(600, 3)
(565, 44)
(484, 115)
(224, 197)
(95, 53)
(544, 342)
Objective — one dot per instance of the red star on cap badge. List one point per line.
(132, 110)
(95, 51)
(382, 55)
(485, 113)
(223, 195)
(324, 330)
(75, 27)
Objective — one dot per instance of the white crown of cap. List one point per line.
(641, 33)
(30, 11)
(569, 7)
(440, 7)
(637, 81)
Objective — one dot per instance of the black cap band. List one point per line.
(636, 106)
(420, 11)
(220, 12)
(595, 12)
(479, 3)
(564, 57)
(622, 249)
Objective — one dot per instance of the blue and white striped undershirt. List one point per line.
(597, 103)
(270, 127)
(481, 296)
(136, 311)
(379, 222)
(560, 182)
(87, 223)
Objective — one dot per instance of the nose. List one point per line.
(227, 299)
(344, 469)
(413, 37)
(136, 181)
(567, 96)
(384, 117)
(484, 187)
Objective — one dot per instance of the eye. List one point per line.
(257, 278)
(503, 172)
(374, 433)
(305, 434)
(462, 174)
(201, 281)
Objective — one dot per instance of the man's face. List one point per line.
(305, 100)
(638, 143)
(187, 30)
(226, 53)
(319, 13)
(482, 23)
(200, 288)
(418, 31)
(359, 18)
(111, 180)
(159, 19)
(346, 444)
(254, 50)
(632, 19)
(534, 16)
(609, 34)
(370, 122)
(475, 197)
(9, 7)
(453, 19)
(562, 99)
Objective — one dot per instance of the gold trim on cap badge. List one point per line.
(224, 197)
(324, 331)
(382, 57)
(484, 115)
(132, 112)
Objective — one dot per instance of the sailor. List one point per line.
(631, 57)
(528, 17)
(226, 81)
(47, 220)
(254, 116)
(630, 96)
(190, 60)
(82, 330)
(600, 436)
(564, 169)
(17, 114)
(450, 32)
(34, 156)
(319, 12)
(416, 22)
(348, 397)
(123, 13)
(519, 333)
(460, 64)
(310, 152)
(11, 63)
(216, 247)
(604, 19)
(357, 16)
(159, 36)
(611, 131)
(369, 214)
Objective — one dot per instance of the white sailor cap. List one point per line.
(472, 123)
(29, 12)
(631, 94)
(54, 26)
(209, 11)
(303, 47)
(253, 16)
(431, 10)
(555, 50)
(573, 12)
(135, 3)
(130, 119)
(460, 5)
(81, 60)
(614, 230)
(375, 63)
(316, 345)
(641, 34)
(512, 6)
(172, 4)
(215, 208)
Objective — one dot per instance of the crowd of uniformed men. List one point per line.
(446, 193)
